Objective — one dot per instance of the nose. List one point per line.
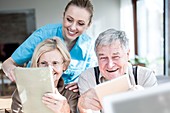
(52, 67)
(110, 63)
(73, 26)
(49, 64)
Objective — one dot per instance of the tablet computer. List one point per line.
(117, 85)
(151, 100)
(32, 83)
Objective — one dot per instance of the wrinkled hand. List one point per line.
(136, 88)
(56, 102)
(73, 87)
(8, 67)
(89, 100)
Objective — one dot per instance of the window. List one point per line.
(150, 22)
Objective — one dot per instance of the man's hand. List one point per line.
(89, 100)
(73, 87)
(136, 88)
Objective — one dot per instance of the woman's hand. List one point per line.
(8, 67)
(56, 102)
(73, 87)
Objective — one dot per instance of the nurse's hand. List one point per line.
(72, 86)
(8, 67)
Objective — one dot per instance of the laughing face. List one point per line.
(75, 22)
(112, 59)
(55, 60)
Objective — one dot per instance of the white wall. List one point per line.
(46, 12)
(106, 14)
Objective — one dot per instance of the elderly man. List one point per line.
(112, 50)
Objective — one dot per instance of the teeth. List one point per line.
(71, 32)
(112, 70)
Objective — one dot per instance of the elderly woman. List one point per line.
(52, 52)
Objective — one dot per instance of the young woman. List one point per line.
(77, 18)
(52, 52)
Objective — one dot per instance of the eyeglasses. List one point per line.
(46, 64)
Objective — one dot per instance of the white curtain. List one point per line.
(126, 22)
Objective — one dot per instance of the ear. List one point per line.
(89, 24)
(128, 53)
(63, 15)
(64, 67)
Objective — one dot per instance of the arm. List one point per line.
(16, 106)
(86, 80)
(22, 54)
(18, 58)
(146, 77)
(91, 59)
(86, 83)
(56, 102)
(72, 98)
(151, 80)
(89, 100)
(8, 67)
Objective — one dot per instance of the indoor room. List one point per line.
(145, 22)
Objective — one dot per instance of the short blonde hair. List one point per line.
(49, 45)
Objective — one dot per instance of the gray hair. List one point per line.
(110, 35)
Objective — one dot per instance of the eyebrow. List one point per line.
(117, 53)
(69, 16)
(73, 19)
(101, 54)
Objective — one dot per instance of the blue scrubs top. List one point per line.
(82, 53)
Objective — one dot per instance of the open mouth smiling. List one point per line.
(110, 71)
(71, 32)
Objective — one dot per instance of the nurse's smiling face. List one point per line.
(75, 21)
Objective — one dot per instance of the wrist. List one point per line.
(80, 107)
(65, 108)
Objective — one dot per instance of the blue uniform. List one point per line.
(82, 52)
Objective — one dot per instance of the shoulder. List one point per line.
(48, 30)
(146, 77)
(140, 69)
(84, 38)
(86, 80)
(86, 44)
(87, 74)
(51, 27)
(144, 70)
